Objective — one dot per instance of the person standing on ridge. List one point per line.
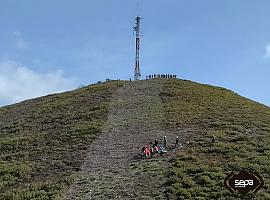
(165, 142)
(213, 138)
(177, 142)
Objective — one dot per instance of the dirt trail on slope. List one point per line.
(135, 118)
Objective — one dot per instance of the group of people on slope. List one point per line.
(150, 149)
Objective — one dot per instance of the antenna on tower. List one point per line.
(138, 7)
(137, 71)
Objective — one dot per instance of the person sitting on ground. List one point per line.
(143, 149)
(147, 152)
(161, 149)
(156, 149)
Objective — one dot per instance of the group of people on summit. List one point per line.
(161, 76)
(150, 149)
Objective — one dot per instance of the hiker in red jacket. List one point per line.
(147, 152)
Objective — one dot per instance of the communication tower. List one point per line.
(137, 70)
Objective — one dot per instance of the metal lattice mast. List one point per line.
(137, 71)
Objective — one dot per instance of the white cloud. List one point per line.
(267, 51)
(17, 83)
(20, 42)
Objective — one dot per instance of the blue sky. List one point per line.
(56, 45)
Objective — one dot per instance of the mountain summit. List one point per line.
(86, 143)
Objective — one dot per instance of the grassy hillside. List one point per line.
(43, 141)
(242, 131)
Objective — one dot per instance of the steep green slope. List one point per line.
(44, 141)
(242, 131)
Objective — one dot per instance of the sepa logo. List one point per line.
(244, 182)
